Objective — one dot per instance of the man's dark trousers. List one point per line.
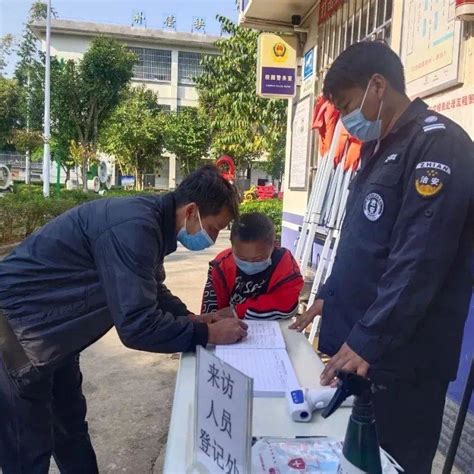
(409, 414)
(45, 419)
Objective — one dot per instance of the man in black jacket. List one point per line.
(96, 266)
(396, 301)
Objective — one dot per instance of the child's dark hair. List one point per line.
(210, 191)
(253, 227)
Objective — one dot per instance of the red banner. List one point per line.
(327, 8)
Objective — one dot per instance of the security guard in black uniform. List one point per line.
(395, 304)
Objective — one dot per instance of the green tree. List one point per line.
(187, 136)
(29, 51)
(87, 92)
(63, 125)
(29, 71)
(9, 109)
(79, 153)
(27, 139)
(275, 147)
(243, 125)
(6, 46)
(134, 134)
(24, 139)
(83, 93)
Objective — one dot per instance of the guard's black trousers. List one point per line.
(46, 419)
(409, 415)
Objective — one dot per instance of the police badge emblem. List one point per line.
(430, 178)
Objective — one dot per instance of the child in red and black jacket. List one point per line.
(254, 279)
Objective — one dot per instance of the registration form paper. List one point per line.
(262, 356)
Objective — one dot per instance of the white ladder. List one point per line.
(324, 212)
(321, 185)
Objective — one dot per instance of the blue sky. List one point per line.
(14, 13)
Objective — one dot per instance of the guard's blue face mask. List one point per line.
(252, 268)
(198, 241)
(358, 126)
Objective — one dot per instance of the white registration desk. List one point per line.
(270, 415)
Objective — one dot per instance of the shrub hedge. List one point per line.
(273, 208)
(25, 210)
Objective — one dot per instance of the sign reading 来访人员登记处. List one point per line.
(223, 422)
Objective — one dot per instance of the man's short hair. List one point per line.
(253, 227)
(355, 66)
(210, 191)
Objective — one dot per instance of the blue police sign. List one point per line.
(308, 67)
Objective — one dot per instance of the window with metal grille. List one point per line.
(164, 107)
(356, 20)
(153, 64)
(189, 67)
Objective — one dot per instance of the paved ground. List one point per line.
(129, 393)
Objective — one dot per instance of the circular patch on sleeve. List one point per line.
(373, 206)
(431, 119)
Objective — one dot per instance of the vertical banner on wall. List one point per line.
(300, 145)
(276, 66)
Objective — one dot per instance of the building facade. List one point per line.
(168, 62)
(437, 49)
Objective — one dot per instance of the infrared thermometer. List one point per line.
(302, 402)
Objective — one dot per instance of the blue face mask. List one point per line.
(252, 268)
(358, 126)
(198, 241)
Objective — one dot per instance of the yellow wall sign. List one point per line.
(276, 66)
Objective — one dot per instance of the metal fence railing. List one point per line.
(18, 160)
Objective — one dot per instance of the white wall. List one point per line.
(257, 174)
(294, 201)
(162, 175)
(169, 93)
(69, 47)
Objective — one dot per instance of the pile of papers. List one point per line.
(262, 356)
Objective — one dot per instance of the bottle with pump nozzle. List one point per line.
(361, 450)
